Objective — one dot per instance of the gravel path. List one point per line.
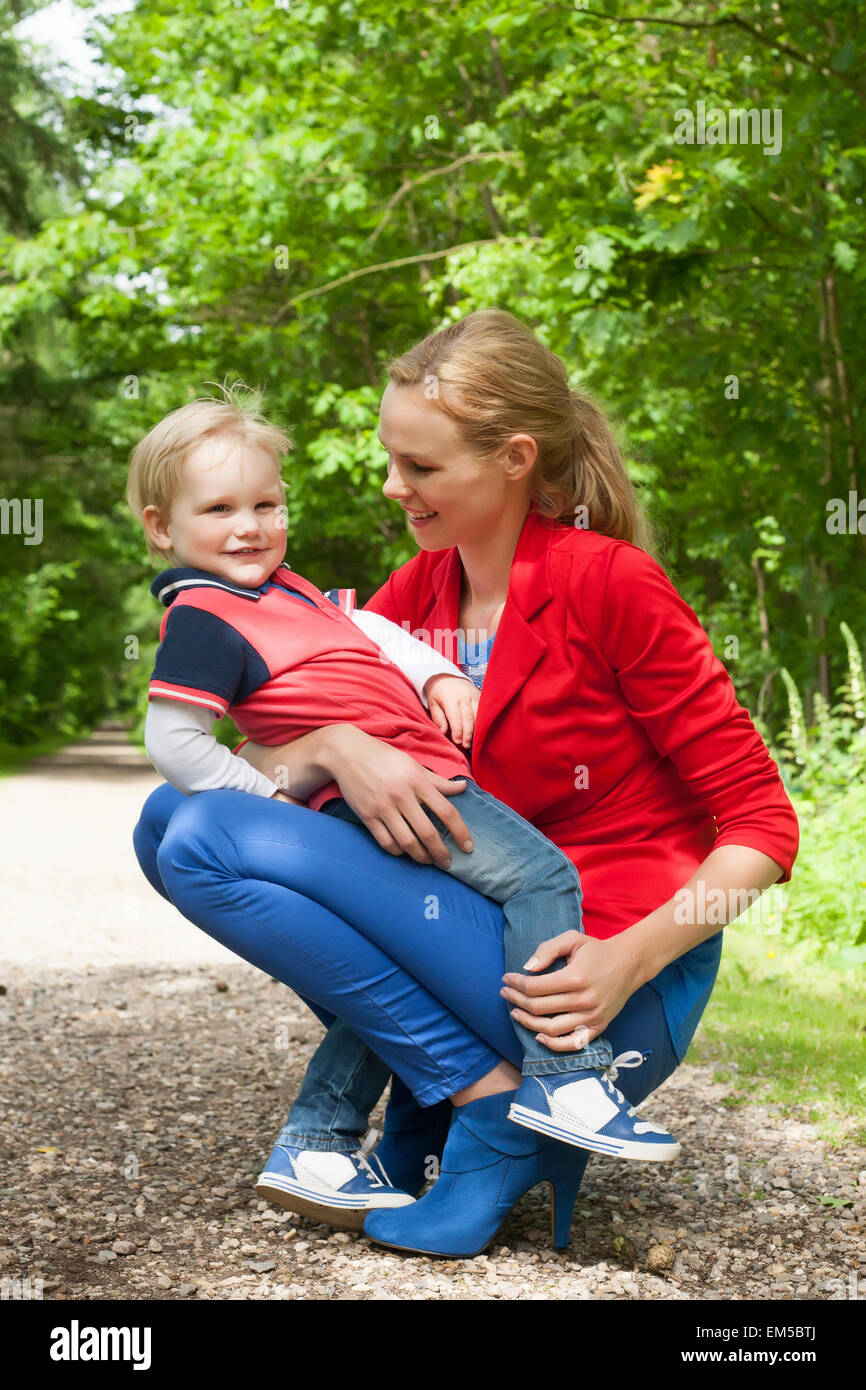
(146, 1071)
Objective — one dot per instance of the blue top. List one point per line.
(473, 658)
(685, 985)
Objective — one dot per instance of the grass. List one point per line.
(785, 1028)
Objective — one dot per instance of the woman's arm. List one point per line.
(302, 764)
(674, 685)
(387, 788)
(601, 975)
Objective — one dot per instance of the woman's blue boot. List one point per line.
(413, 1138)
(410, 1149)
(487, 1165)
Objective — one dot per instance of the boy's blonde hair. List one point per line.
(156, 462)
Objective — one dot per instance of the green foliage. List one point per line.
(294, 195)
(827, 901)
(62, 598)
(824, 764)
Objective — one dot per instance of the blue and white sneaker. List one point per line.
(585, 1109)
(337, 1188)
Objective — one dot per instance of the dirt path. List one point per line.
(73, 894)
(146, 1071)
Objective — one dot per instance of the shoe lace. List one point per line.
(622, 1062)
(369, 1143)
(360, 1157)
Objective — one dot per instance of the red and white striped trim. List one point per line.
(188, 696)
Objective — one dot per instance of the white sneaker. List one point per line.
(585, 1109)
(338, 1188)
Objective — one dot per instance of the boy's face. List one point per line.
(227, 516)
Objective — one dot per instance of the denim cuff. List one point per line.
(596, 1056)
(320, 1143)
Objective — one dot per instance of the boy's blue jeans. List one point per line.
(539, 890)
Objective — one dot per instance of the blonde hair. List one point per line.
(494, 379)
(156, 462)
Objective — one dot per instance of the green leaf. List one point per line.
(729, 171)
(844, 255)
(848, 958)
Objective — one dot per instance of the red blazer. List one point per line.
(605, 717)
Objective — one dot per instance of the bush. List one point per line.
(824, 767)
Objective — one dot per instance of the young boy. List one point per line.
(245, 635)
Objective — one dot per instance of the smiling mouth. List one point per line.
(419, 516)
(248, 550)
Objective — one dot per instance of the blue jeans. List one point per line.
(537, 887)
(317, 904)
(539, 890)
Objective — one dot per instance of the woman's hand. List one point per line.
(601, 975)
(387, 788)
(391, 793)
(585, 995)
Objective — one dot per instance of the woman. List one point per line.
(605, 719)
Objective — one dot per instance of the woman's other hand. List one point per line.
(586, 994)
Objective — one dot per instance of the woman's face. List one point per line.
(449, 496)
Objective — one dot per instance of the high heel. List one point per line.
(487, 1166)
(563, 1195)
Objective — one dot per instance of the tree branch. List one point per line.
(409, 184)
(719, 22)
(395, 265)
(498, 69)
(777, 231)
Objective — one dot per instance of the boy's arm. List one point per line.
(418, 661)
(183, 750)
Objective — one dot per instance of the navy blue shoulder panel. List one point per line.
(203, 652)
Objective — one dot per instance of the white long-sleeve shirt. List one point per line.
(179, 742)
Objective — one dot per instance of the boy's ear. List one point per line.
(156, 527)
